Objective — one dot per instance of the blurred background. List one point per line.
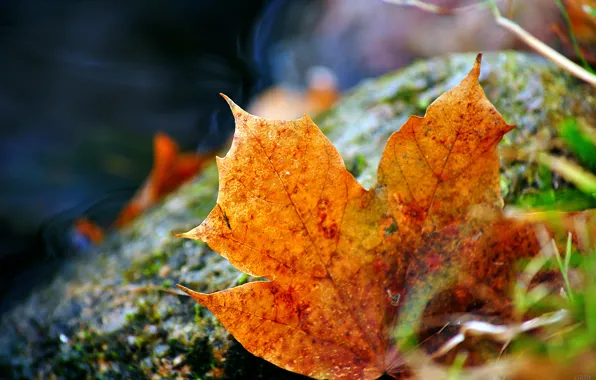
(85, 85)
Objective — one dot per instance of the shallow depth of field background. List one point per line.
(84, 86)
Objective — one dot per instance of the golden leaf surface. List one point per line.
(345, 264)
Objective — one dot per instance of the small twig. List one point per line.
(500, 333)
(126, 288)
(542, 48)
(572, 172)
(509, 25)
(148, 288)
(436, 9)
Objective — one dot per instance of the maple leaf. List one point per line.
(91, 231)
(347, 265)
(282, 103)
(170, 170)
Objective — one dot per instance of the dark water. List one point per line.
(84, 85)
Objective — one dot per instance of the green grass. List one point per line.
(580, 141)
(578, 336)
(577, 269)
(534, 295)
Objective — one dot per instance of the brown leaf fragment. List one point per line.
(170, 170)
(89, 230)
(348, 266)
(283, 103)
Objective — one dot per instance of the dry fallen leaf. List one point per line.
(284, 103)
(170, 170)
(347, 266)
(91, 231)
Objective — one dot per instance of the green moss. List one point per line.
(564, 200)
(151, 267)
(81, 357)
(242, 279)
(239, 364)
(146, 267)
(200, 312)
(72, 366)
(358, 165)
(404, 95)
(199, 357)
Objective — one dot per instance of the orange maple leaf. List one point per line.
(170, 170)
(347, 265)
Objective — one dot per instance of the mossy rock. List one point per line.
(113, 311)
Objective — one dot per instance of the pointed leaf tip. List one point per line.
(180, 234)
(184, 289)
(475, 72)
(306, 118)
(236, 109)
(227, 99)
(186, 235)
(199, 297)
(191, 234)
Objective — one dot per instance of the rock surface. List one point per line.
(113, 312)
